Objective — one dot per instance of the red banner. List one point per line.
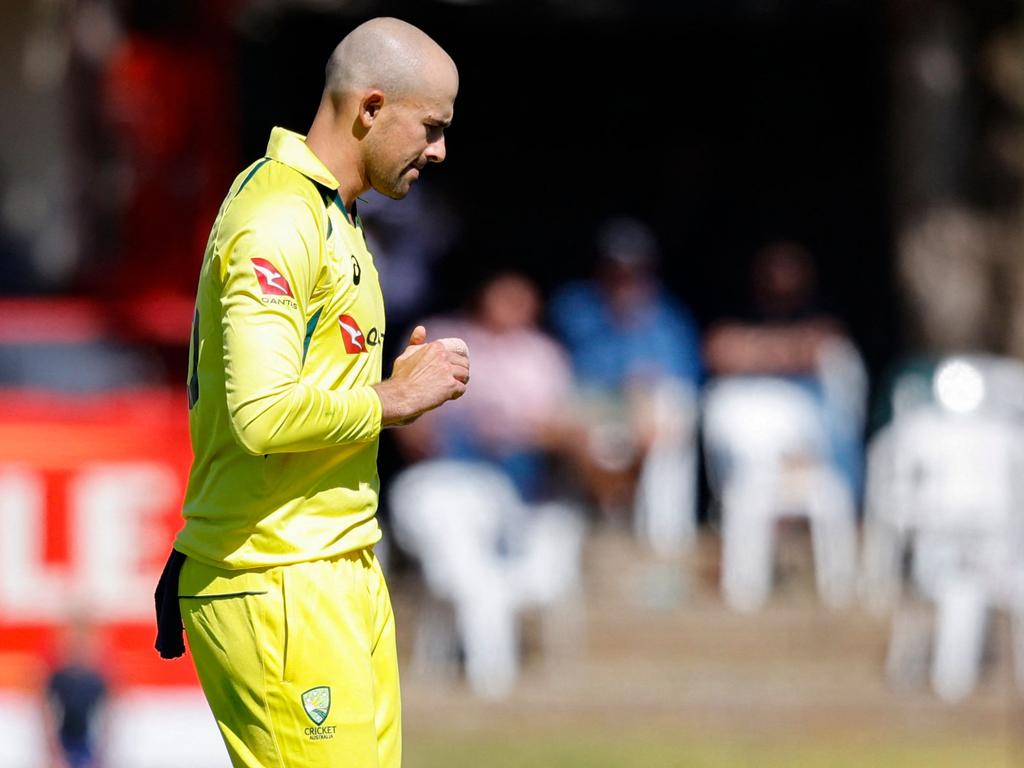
(90, 500)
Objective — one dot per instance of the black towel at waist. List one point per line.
(170, 638)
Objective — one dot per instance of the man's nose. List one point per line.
(436, 151)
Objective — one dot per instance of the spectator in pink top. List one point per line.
(515, 414)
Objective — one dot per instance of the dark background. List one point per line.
(720, 127)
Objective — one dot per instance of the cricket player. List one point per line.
(284, 605)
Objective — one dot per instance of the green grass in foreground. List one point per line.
(632, 751)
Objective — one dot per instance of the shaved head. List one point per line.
(387, 54)
(390, 95)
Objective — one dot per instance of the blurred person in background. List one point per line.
(15, 254)
(1005, 66)
(636, 355)
(274, 576)
(77, 697)
(951, 266)
(786, 333)
(484, 510)
(515, 416)
(164, 78)
(949, 271)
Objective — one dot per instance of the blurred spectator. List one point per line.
(480, 511)
(515, 412)
(15, 254)
(168, 96)
(636, 354)
(782, 423)
(785, 333)
(77, 697)
(622, 327)
(949, 270)
(958, 142)
(1004, 58)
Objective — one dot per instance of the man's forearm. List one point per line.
(396, 406)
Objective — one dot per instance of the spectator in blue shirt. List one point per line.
(637, 358)
(622, 325)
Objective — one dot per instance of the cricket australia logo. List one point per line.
(317, 703)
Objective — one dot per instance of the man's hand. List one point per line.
(424, 376)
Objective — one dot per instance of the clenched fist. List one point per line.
(424, 376)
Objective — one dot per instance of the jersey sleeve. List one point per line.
(269, 265)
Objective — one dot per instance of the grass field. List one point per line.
(689, 684)
(639, 750)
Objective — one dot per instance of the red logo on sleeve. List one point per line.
(272, 282)
(353, 337)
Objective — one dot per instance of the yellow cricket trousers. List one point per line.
(298, 662)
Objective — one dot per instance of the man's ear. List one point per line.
(369, 107)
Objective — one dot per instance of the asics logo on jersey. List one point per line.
(352, 335)
(272, 282)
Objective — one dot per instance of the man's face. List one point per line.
(409, 134)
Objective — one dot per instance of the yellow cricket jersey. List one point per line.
(286, 342)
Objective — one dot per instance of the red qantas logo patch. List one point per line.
(351, 334)
(272, 282)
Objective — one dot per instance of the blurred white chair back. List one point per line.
(489, 556)
(945, 481)
(981, 382)
(449, 514)
(758, 423)
(767, 448)
(964, 383)
(960, 469)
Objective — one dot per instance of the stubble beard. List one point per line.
(395, 187)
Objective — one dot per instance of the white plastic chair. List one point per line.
(490, 557)
(946, 485)
(965, 383)
(768, 459)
